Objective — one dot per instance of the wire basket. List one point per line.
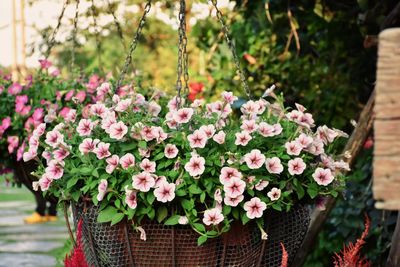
(120, 245)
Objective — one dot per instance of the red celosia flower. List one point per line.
(249, 58)
(77, 256)
(350, 255)
(195, 89)
(285, 256)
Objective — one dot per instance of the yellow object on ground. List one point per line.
(51, 218)
(35, 218)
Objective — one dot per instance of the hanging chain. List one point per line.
(96, 35)
(232, 47)
(52, 40)
(111, 11)
(134, 43)
(74, 32)
(182, 68)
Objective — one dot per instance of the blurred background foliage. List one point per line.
(315, 51)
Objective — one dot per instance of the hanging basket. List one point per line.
(120, 245)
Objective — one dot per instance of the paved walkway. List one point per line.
(39, 245)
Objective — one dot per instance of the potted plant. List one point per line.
(158, 177)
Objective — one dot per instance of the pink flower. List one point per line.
(45, 64)
(107, 121)
(130, 198)
(15, 89)
(112, 163)
(209, 130)
(197, 139)
(234, 188)
(316, 148)
(148, 166)
(228, 173)
(160, 135)
(55, 169)
(103, 89)
(195, 166)
(323, 176)
(80, 96)
(229, 97)
(148, 133)
(68, 96)
(173, 103)
(219, 137)
(274, 165)
(183, 115)
(261, 185)
(98, 109)
(254, 208)
(29, 155)
(326, 135)
(71, 116)
(143, 181)
(233, 201)
(183, 220)
(249, 126)
(123, 105)
(13, 142)
(21, 99)
(6, 123)
(64, 112)
(127, 161)
(165, 192)
(60, 154)
(144, 152)
(45, 182)
(242, 138)
(154, 108)
(274, 194)
(85, 127)
(20, 151)
(54, 138)
(118, 130)
(296, 166)
(102, 150)
(88, 145)
(267, 130)
(171, 151)
(250, 108)
(38, 114)
(47, 155)
(218, 196)
(102, 188)
(293, 148)
(213, 217)
(304, 140)
(254, 159)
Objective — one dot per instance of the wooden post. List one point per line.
(23, 38)
(386, 187)
(14, 42)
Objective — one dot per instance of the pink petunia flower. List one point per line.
(54, 138)
(13, 142)
(130, 198)
(55, 169)
(143, 181)
(88, 145)
(102, 150)
(171, 151)
(304, 140)
(85, 127)
(218, 196)
(107, 121)
(266, 130)
(209, 130)
(160, 135)
(250, 108)
(15, 89)
(326, 135)
(148, 133)
(228, 173)
(123, 105)
(296, 166)
(29, 155)
(98, 109)
(80, 96)
(20, 151)
(249, 126)
(148, 166)
(323, 176)
(219, 137)
(274, 165)
(102, 188)
(242, 138)
(45, 182)
(68, 96)
(173, 103)
(112, 163)
(60, 154)
(255, 159)
(213, 217)
(197, 139)
(195, 166)
(293, 148)
(127, 161)
(45, 64)
(183, 220)
(316, 148)
(159, 180)
(183, 115)
(233, 201)
(154, 108)
(261, 185)
(274, 194)
(118, 130)
(165, 192)
(254, 208)
(234, 188)
(71, 116)
(229, 97)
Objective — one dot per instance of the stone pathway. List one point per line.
(27, 245)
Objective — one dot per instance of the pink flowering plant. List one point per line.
(196, 164)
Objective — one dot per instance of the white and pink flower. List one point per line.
(229, 97)
(183, 115)
(274, 165)
(45, 182)
(254, 159)
(98, 109)
(209, 130)
(123, 105)
(102, 150)
(112, 163)
(242, 138)
(261, 185)
(197, 139)
(195, 166)
(60, 154)
(233, 201)
(219, 137)
(170, 151)
(102, 189)
(165, 192)
(148, 166)
(274, 194)
(293, 148)
(127, 161)
(118, 130)
(54, 138)
(304, 140)
(85, 127)
(323, 176)
(254, 208)
(143, 181)
(213, 217)
(249, 126)
(148, 133)
(88, 145)
(228, 173)
(130, 198)
(296, 166)
(55, 169)
(234, 188)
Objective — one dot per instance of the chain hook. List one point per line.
(182, 68)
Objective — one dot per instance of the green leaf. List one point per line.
(276, 206)
(173, 220)
(199, 227)
(245, 219)
(127, 147)
(85, 171)
(71, 182)
(117, 218)
(95, 173)
(201, 240)
(180, 193)
(162, 213)
(312, 192)
(142, 144)
(227, 210)
(107, 214)
(76, 195)
(158, 156)
(202, 197)
(117, 203)
(151, 214)
(235, 214)
(150, 197)
(194, 189)
(187, 204)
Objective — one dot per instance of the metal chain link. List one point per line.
(134, 43)
(52, 40)
(96, 35)
(74, 32)
(111, 11)
(232, 47)
(182, 68)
